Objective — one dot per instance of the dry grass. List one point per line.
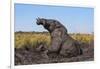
(33, 39)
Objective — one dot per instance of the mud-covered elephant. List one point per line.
(61, 42)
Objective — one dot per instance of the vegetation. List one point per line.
(35, 38)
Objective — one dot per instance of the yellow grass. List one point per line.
(85, 38)
(33, 39)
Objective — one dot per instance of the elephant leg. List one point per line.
(55, 45)
(68, 50)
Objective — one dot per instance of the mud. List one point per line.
(29, 55)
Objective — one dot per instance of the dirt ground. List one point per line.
(29, 55)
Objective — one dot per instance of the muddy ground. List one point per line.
(29, 55)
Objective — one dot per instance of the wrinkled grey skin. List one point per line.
(61, 42)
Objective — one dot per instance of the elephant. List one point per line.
(61, 42)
